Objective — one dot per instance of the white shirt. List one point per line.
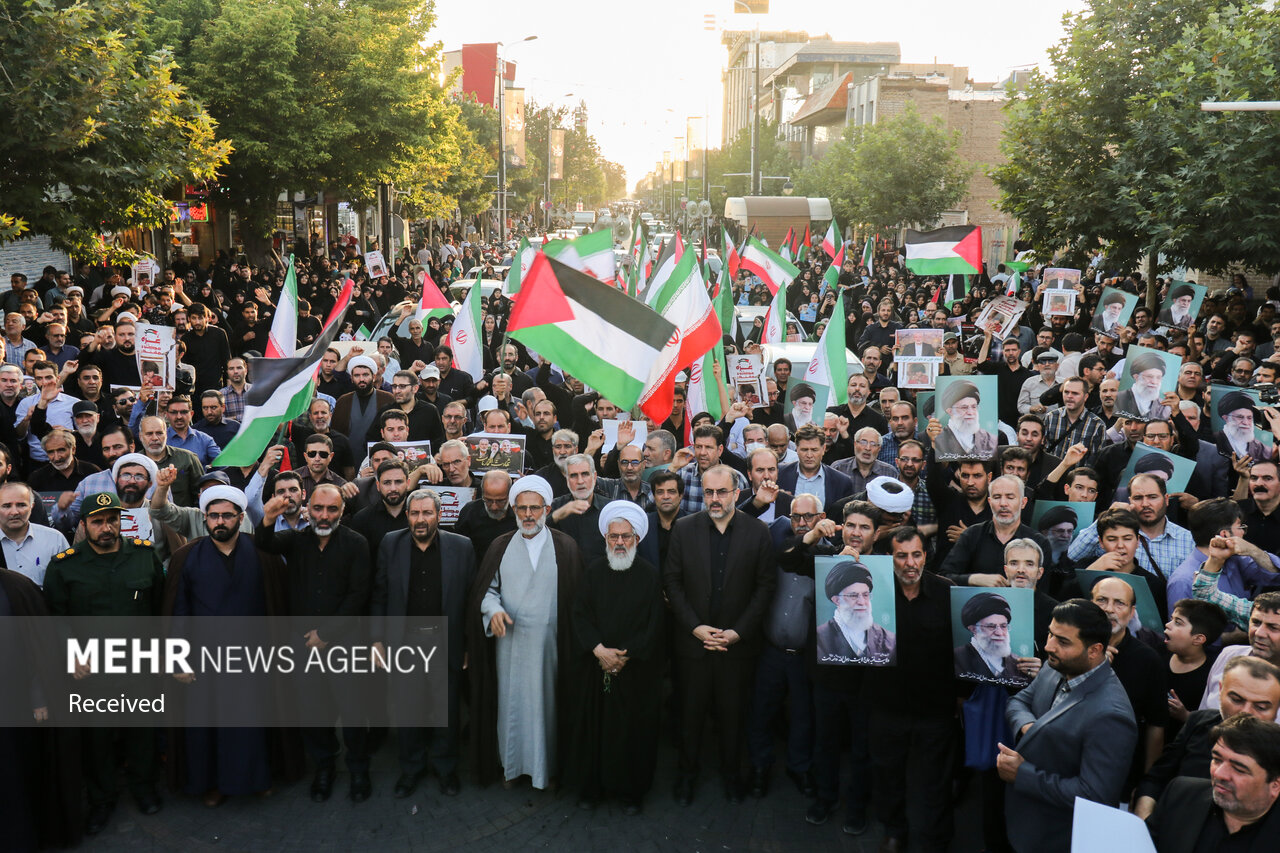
(58, 413)
(535, 545)
(32, 554)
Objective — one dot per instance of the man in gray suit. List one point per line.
(1075, 732)
(419, 593)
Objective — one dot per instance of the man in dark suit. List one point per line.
(811, 443)
(1075, 732)
(719, 576)
(1235, 808)
(423, 573)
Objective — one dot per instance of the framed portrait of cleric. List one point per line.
(917, 373)
(1147, 375)
(808, 403)
(990, 630)
(1060, 278)
(855, 611)
(452, 500)
(966, 408)
(918, 343)
(924, 405)
(496, 452)
(412, 453)
(1058, 303)
(1243, 429)
(1181, 306)
(1145, 614)
(1059, 522)
(1115, 307)
(1000, 315)
(1175, 470)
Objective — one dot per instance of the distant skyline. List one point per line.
(641, 75)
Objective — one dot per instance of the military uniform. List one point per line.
(125, 582)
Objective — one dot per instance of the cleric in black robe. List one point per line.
(40, 781)
(617, 621)
(228, 577)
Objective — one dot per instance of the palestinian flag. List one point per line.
(767, 266)
(282, 390)
(683, 300)
(668, 256)
(363, 333)
(1015, 282)
(831, 278)
(831, 241)
(282, 340)
(519, 266)
(869, 256)
(950, 292)
(433, 303)
(829, 365)
(589, 329)
(591, 254)
(802, 249)
(729, 255)
(775, 319)
(957, 249)
(784, 252)
(1022, 262)
(788, 241)
(464, 336)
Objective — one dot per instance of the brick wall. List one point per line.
(30, 256)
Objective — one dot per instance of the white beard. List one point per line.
(529, 534)
(1239, 438)
(1142, 401)
(623, 562)
(963, 434)
(992, 652)
(854, 626)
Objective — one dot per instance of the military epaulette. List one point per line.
(146, 542)
(64, 554)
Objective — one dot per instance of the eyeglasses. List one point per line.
(718, 493)
(866, 442)
(134, 478)
(856, 596)
(495, 501)
(620, 538)
(222, 516)
(992, 627)
(318, 454)
(806, 517)
(529, 510)
(629, 463)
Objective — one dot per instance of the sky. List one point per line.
(642, 68)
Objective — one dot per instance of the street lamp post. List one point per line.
(502, 137)
(547, 204)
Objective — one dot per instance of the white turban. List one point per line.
(531, 483)
(134, 459)
(487, 403)
(223, 493)
(623, 510)
(362, 361)
(890, 494)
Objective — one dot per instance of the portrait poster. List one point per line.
(156, 353)
(749, 393)
(918, 343)
(966, 407)
(1060, 278)
(924, 406)
(855, 611)
(1148, 375)
(1060, 521)
(375, 264)
(412, 453)
(452, 500)
(1000, 315)
(808, 404)
(1115, 307)
(610, 427)
(1234, 412)
(143, 268)
(496, 452)
(1058, 303)
(1181, 305)
(990, 630)
(917, 373)
(1145, 613)
(1174, 469)
(746, 368)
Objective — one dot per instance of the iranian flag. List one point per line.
(724, 307)
(519, 266)
(464, 337)
(768, 266)
(832, 276)
(775, 319)
(829, 365)
(282, 340)
(668, 256)
(831, 241)
(869, 256)
(703, 393)
(953, 250)
(591, 254)
(681, 299)
(732, 260)
(282, 390)
(433, 303)
(589, 329)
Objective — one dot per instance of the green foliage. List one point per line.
(478, 150)
(775, 159)
(898, 171)
(588, 176)
(96, 128)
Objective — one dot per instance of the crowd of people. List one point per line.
(607, 594)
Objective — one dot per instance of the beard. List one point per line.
(222, 534)
(323, 529)
(530, 528)
(1238, 436)
(561, 462)
(393, 499)
(853, 621)
(992, 647)
(495, 515)
(131, 493)
(620, 559)
(87, 433)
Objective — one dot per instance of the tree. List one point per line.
(332, 95)
(1067, 177)
(898, 171)
(96, 128)
(478, 150)
(736, 158)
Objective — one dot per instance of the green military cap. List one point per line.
(100, 502)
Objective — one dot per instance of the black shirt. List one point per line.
(923, 683)
(1264, 530)
(719, 556)
(374, 522)
(329, 589)
(980, 551)
(426, 590)
(1009, 382)
(475, 524)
